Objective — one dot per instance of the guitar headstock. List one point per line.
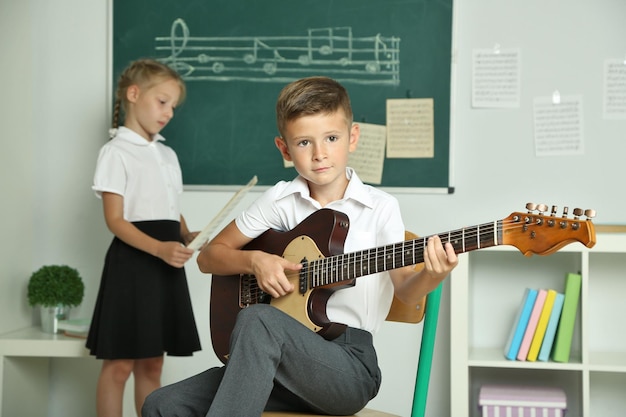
(535, 232)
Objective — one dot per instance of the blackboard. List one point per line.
(236, 55)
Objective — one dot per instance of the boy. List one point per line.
(275, 362)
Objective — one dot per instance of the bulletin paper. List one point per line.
(410, 128)
(369, 157)
(615, 89)
(496, 78)
(558, 126)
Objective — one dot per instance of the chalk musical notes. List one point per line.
(330, 51)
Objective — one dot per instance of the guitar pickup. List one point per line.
(302, 276)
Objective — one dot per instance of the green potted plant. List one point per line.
(55, 289)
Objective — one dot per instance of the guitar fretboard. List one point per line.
(334, 269)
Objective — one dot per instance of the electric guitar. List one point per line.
(317, 242)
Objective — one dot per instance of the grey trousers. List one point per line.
(277, 364)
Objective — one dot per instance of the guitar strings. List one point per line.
(342, 267)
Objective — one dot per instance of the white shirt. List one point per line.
(146, 174)
(375, 221)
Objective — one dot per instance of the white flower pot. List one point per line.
(50, 317)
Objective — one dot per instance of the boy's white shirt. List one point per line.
(375, 220)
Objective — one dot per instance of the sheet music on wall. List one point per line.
(558, 125)
(496, 78)
(410, 128)
(369, 158)
(615, 89)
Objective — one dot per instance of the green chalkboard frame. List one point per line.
(223, 133)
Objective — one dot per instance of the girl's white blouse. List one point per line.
(147, 174)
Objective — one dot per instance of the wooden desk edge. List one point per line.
(610, 228)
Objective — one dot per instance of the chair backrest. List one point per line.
(405, 313)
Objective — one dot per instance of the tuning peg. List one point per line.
(530, 207)
(565, 210)
(590, 213)
(577, 213)
(553, 211)
(542, 208)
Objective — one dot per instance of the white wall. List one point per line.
(55, 118)
(16, 178)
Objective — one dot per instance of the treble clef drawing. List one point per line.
(173, 61)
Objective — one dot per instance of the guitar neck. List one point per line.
(338, 268)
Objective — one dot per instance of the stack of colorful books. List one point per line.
(544, 324)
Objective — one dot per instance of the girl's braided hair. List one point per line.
(144, 73)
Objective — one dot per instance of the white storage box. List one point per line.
(521, 401)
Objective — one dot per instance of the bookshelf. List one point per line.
(485, 293)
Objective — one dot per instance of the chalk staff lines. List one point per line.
(334, 52)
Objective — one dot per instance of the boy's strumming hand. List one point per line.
(174, 254)
(269, 271)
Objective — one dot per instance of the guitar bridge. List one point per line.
(250, 293)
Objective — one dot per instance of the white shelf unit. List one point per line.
(486, 291)
(25, 369)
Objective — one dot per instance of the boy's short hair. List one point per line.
(309, 96)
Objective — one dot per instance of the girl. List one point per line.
(143, 307)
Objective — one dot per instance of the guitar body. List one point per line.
(320, 235)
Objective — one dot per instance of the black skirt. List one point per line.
(143, 307)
